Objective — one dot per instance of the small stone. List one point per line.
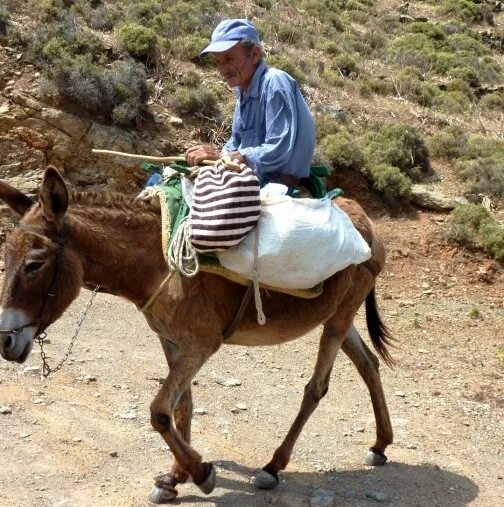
(200, 411)
(323, 498)
(423, 351)
(176, 121)
(401, 394)
(411, 446)
(129, 415)
(5, 409)
(241, 406)
(376, 495)
(360, 429)
(113, 454)
(24, 435)
(232, 382)
(31, 369)
(89, 378)
(38, 401)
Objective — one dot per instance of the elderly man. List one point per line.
(273, 131)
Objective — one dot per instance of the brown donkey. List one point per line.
(64, 242)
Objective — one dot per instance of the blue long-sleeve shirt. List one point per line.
(272, 125)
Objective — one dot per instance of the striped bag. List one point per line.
(225, 207)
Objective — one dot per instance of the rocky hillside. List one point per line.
(408, 96)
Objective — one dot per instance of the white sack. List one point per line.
(301, 243)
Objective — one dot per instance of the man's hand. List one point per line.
(197, 154)
(237, 158)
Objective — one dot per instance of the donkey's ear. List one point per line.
(53, 195)
(18, 202)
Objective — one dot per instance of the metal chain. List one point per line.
(46, 369)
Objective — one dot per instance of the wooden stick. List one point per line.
(231, 165)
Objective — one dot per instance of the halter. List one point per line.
(58, 239)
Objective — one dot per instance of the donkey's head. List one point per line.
(42, 274)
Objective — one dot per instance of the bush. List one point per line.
(409, 84)
(199, 101)
(346, 65)
(451, 143)
(451, 102)
(137, 40)
(188, 47)
(285, 62)
(399, 146)
(473, 226)
(484, 176)
(393, 184)
(493, 101)
(342, 151)
(118, 94)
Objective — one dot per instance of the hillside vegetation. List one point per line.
(396, 87)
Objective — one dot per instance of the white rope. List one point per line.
(181, 254)
(261, 318)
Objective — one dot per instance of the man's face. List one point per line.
(235, 66)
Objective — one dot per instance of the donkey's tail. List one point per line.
(380, 334)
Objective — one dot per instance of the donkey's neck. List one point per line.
(119, 242)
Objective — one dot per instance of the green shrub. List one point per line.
(430, 30)
(464, 10)
(399, 146)
(492, 238)
(493, 101)
(410, 85)
(326, 125)
(346, 65)
(391, 182)
(137, 40)
(464, 223)
(332, 78)
(342, 151)
(412, 50)
(117, 93)
(199, 101)
(452, 142)
(286, 63)
(451, 102)
(188, 47)
(473, 226)
(486, 147)
(483, 175)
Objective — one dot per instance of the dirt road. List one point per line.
(83, 437)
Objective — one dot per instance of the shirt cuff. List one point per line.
(253, 161)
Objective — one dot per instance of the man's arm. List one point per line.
(281, 129)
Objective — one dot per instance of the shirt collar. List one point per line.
(253, 89)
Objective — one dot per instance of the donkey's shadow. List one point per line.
(401, 484)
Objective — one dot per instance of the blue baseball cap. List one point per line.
(228, 33)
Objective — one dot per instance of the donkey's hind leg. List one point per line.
(315, 390)
(367, 365)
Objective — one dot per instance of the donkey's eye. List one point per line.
(32, 267)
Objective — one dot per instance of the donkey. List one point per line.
(68, 240)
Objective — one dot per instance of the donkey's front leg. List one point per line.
(182, 371)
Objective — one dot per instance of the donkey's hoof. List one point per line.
(161, 495)
(207, 485)
(265, 480)
(375, 458)
(164, 490)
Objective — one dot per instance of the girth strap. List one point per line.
(241, 312)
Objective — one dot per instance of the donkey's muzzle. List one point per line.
(13, 349)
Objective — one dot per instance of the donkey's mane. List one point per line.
(116, 207)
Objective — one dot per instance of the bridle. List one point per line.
(51, 291)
